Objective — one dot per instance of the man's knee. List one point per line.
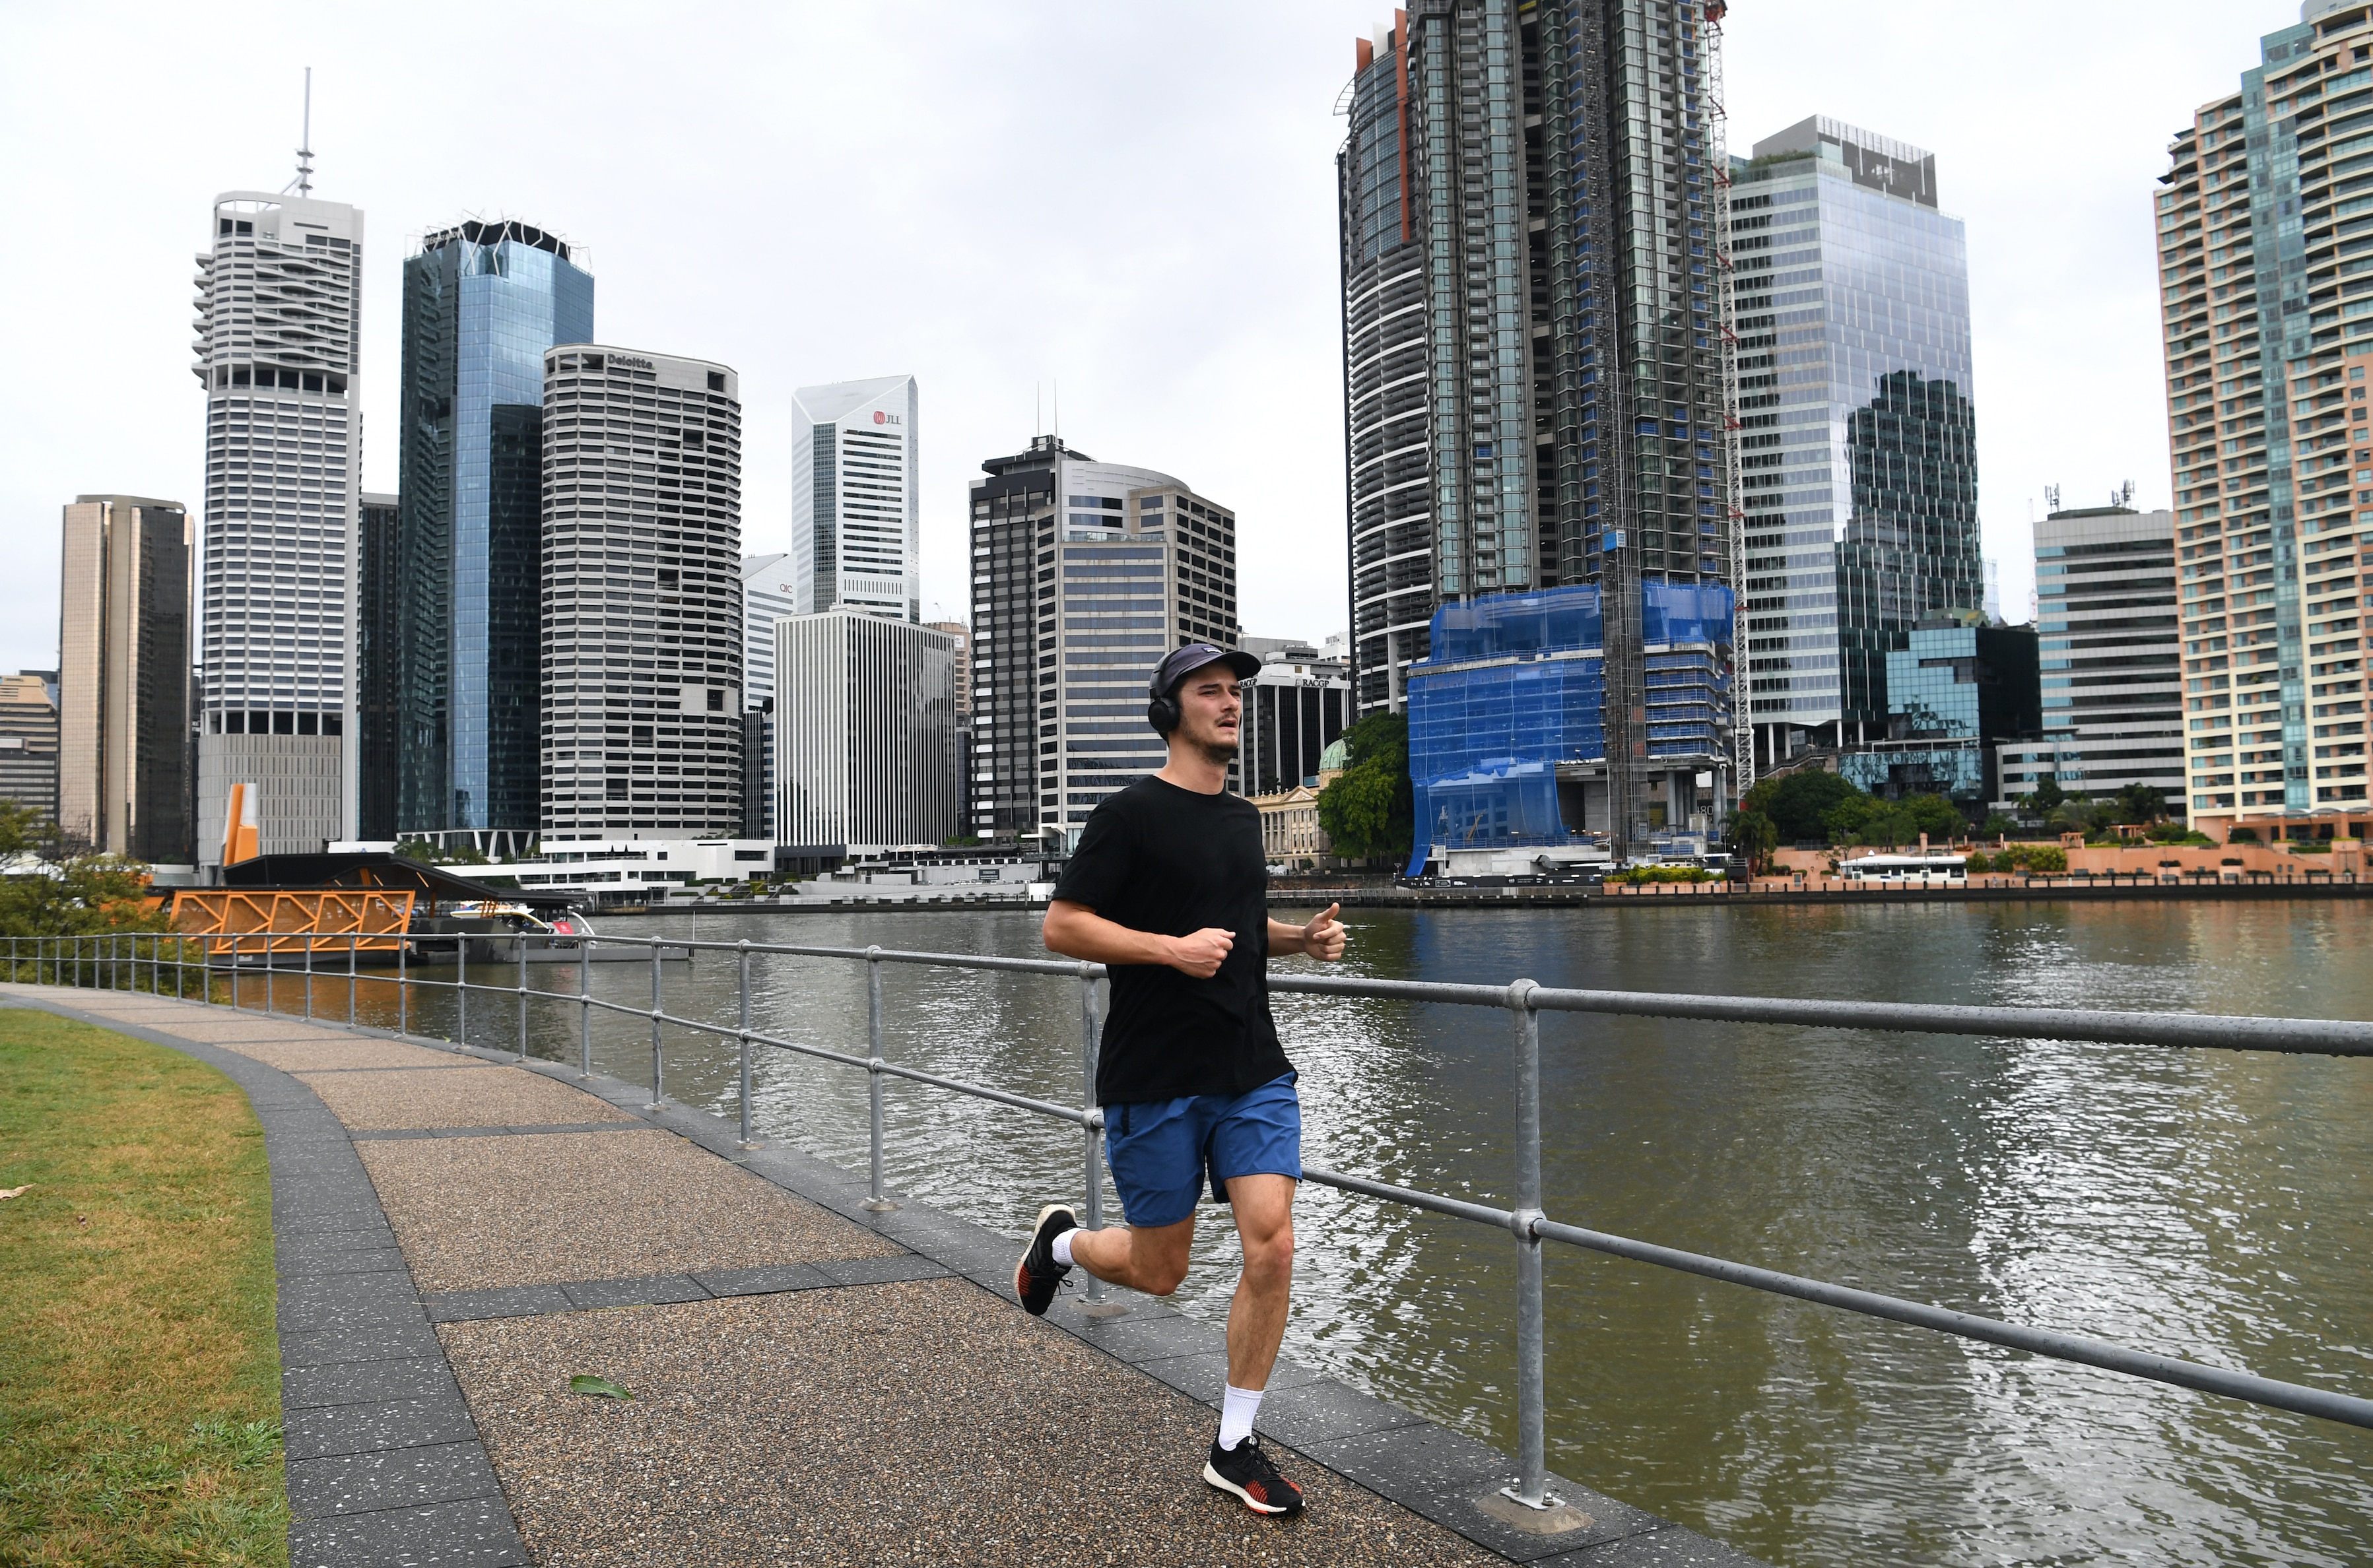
(1271, 1251)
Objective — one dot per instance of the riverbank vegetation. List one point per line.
(141, 1420)
(1368, 810)
(52, 885)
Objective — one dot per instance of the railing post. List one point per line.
(585, 1004)
(308, 975)
(1091, 1133)
(234, 971)
(354, 967)
(742, 951)
(461, 987)
(1532, 1442)
(880, 1201)
(268, 966)
(658, 1064)
(521, 939)
(404, 980)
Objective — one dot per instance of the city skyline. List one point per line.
(1243, 313)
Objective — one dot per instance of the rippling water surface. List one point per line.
(2208, 1204)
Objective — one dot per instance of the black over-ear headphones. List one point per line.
(1162, 711)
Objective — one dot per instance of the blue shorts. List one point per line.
(1162, 1151)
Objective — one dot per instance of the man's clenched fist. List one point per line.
(1201, 954)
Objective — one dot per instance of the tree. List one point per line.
(52, 884)
(1368, 809)
(1852, 815)
(1997, 825)
(2142, 803)
(2047, 794)
(1936, 816)
(1754, 836)
(1796, 803)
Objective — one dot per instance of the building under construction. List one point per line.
(1507, 733)
(1539, 366)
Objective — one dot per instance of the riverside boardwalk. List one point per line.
(459, 1235)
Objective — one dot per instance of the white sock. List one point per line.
(1237, 1411)
(1062, 1248)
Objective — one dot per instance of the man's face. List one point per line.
(1210, 708)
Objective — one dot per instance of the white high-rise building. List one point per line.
(642, 610)
(865, 727)
(767, 595)
(855, 518)
(278, 351)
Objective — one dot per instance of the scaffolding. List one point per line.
(1516, 687)
(374, 918)
(1742, 738)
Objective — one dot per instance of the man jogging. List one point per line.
(1169, 890)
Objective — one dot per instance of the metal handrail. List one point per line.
(1525, 1001)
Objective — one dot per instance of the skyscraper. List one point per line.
(124, 676)
(29, 740)
(1858, 452)
(2258, 240)
(962, 632)
(856, 512)
(866, 725)
(1085, 575)
(1531, 217)
(767, 595)
(2112, 669)
(482, 302)
(642, 562)
(278, 354)
(377, 524)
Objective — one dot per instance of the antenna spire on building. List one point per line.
(303, 183)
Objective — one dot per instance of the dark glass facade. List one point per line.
(377, 521)
(1912, 546)
(482, 303)
(1953, 689)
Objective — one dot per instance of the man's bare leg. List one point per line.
(1148, 1258)
(1264, 1207)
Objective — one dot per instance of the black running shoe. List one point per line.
(1246, 1472)
(1037, 1275)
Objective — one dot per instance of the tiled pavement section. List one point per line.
(813, 1382)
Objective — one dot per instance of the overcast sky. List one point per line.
(1133, 202)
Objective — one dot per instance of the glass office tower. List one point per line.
(482, 303)
(1857, 451)
(1536, 362)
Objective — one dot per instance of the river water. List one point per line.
(2207, 1205)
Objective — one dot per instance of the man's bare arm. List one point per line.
(1078, 932)
(1322, 938)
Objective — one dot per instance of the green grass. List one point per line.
(139, 1374)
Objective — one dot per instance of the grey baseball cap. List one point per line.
(1184, 662)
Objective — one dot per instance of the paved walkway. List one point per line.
(458, 1237)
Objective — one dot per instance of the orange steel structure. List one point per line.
(374, 917)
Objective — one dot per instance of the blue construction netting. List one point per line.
(1516, 684)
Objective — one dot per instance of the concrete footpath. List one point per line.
(458, 1236)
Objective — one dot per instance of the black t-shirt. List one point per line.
(1171, 862)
